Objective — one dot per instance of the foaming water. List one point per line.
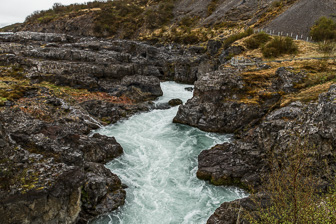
(159, 166)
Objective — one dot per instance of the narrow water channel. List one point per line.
(159, 165)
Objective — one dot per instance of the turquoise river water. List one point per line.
(159, 167)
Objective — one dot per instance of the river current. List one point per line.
(159, 167)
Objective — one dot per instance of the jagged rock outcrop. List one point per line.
(51, 169)
(175, 102)
(101, 192)
(222, 100)
(211, 108)
(245, 161)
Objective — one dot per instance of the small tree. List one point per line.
(324, 29)
(292, 189)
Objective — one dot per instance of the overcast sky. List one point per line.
(15, 11)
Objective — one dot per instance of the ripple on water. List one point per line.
(159, 165)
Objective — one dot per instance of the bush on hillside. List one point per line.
(293, 191)
(327, 47)
(233, 38)
(279, 46)
(257, 40)
(324, 29)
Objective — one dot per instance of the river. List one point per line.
(159, 167)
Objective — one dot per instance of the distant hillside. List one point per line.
(302, 15)
(183, 21)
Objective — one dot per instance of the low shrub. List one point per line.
(279, 46)
(233, 38)
(257, 40)
(327, 47)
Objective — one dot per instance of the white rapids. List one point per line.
(159, 167)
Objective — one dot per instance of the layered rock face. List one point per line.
(95, 64)
(267, 132)
(51, 171)
(246, 162)
(265, 129)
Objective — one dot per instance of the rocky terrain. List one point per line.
(295, 19)
(269, 124)
(62, 82)
(55, 89)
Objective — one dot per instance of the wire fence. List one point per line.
(295, 36)
(241, 61)
(6, 33)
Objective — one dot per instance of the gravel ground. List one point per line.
(302, 15)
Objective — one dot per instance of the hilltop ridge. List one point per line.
(185, 21)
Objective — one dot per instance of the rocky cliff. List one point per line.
(54, 90)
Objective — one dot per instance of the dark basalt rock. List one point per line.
(46, 166)
(215, 106)
(101, 193)
(175, 102)
(214, 46)
(219, 103)
(233, 212)
(161, 106)
(245, 161)
(287, 80)
(141, 88)
(95, 64)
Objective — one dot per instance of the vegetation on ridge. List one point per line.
(293, 191)
(323, 30)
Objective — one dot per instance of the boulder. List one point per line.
(175, 102)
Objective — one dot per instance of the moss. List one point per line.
(85, 196)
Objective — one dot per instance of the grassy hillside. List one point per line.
(186, 21)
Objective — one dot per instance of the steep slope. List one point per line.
(302, 15)
(185, 21)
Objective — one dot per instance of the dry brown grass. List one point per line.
(306, 95)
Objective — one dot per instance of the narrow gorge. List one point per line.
(169, 112)
(159, 166)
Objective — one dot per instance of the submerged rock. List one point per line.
(190, 89)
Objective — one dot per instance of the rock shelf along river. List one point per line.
(159, 167)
